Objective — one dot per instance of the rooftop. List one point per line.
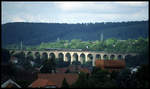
(54, 79)
(42, 83)
(110, 64)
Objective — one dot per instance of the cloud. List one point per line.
(133, 3)
(67, 6)
(74, 12)
(81, 6)
(102, 7)
(17, 19)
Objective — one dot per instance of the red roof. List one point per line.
(85, 70)
(54, 79)
(110, 63)
(42, 83)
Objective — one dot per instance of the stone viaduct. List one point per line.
(82, 56)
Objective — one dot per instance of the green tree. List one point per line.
(5, 56)
(81, 81)
(47, 67)
(110, 41)
(142, 76)
(65, 84)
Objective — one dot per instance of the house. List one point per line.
(134, 70)
(43, 83)
(19, 74)
(13, 59)
(73, 69)
(110, 65)
(85, 70)
(53, 80)
(10, 84)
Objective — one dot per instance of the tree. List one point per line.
(101, 79)
(47, 67)
(142, 76)
(81, 81)
(5, 56)
(64, 84)
(123, 78)
(21, 57)
(110, 41)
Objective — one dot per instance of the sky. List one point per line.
(74, 12)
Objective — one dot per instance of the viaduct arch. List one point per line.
(81, 56)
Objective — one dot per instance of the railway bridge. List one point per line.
(76, 55)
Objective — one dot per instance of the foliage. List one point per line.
(23, 83)
(142, 76)
(36, 33)
(139, 45)
(5, 56)
(142, 58)
(65, 84)
(81, 81)
(48, 66)
(111, 45)
(123, 79)
(98, 79)
(139, 79)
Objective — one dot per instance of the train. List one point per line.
(60, 49)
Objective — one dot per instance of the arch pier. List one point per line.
(81, 56)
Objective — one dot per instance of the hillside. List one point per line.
(35, 33)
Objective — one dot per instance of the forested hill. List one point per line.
(35, 33)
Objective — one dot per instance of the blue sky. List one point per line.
(74, 12)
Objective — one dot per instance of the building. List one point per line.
(13, 59)
(111, 65)
(134, 69)
(53, 80)
(43, 83)
(10, 84)
(73, 69)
